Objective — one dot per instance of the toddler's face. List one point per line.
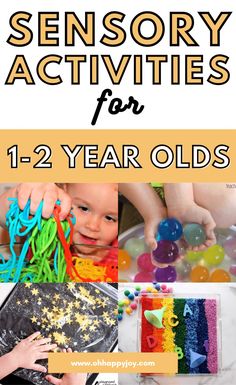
(95, 207)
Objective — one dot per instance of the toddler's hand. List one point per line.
(196, 214)
(29, 350)
(48, 192)
(150, 228)
(68, 378)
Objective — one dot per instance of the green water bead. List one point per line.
(194, 234)
(194, 256)
(214, 255)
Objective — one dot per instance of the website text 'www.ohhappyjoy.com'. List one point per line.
(113, 362)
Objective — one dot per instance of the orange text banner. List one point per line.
(117, 155)
(165, 363)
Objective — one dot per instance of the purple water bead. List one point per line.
(144, 262)
(230, 247)
(170, 229)
(232, 270)
(166, 252)
(167, 274)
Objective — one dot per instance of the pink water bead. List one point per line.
(144, 262)
(232, 270)
(143, 276)
(230, 247)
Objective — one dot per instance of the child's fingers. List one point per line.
(49, 199)
(39, 368)
(23, 194)
(42, 356)
(42, 341)
(66, 204)
(35, 198)
(32, 336)
(149, 233)
(47, 348)
(69, 350)
(53, 380)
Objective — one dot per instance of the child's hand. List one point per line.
(68, 378)
(29, 350)
(48, 192)
(193, 213)
(151, 225)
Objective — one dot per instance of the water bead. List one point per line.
(214, 255)
(194, 256)
(135, 247)
(133, 306)
(232, 270)
(183, 269)
(143, 276)
(170, 229)
(199, 274)
(119, 317)
(121, 303)
(126, 302)
(138, 288)
(136, 293)
(166, 252)
(126, 292)
(163, 286)
(128, 310)
(144, 262)
(220, 275)
(120, 310)
(167, 274)
(194, 234)
(230, 247)
(124, 260)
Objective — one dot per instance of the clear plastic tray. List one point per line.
(80, 316)
(197, 331)
(138, 232)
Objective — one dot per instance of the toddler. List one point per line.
(95, 207)
(209, 204)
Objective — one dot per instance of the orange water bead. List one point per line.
(124, 260)
(220, 275)
(199, 274)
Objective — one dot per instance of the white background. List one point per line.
(166, 106)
